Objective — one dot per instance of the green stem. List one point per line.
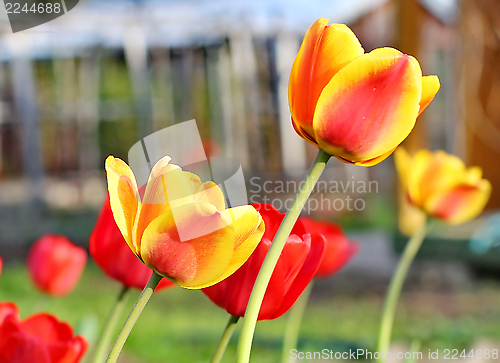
(414, 349)
(294, 322)
(101, 350)
(224, 339)
(133, 316)
(395, 287)
(259, 289)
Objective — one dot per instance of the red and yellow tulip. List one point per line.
(439, 184)
(354, 105)
(180, 227)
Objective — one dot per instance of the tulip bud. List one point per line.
(56, 264)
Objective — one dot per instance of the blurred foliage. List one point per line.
(117, 137)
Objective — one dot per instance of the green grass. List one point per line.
(179, 325)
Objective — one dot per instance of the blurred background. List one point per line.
(110, 72)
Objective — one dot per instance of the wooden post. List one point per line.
(65, 85)
(88, 111)
(136, 53)
(409, 29)
(481, 89)
(163, 101)
(27, 109)
(246, 97)
(293, 148)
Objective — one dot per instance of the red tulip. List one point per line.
(56, 264)
(296, 267)
(338, 249)
(112, 254)
(40, 338)
(1, 265)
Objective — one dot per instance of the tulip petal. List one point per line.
(52, 329)
(430, 86)
(20, 348)
(459, 204)
(403, 161)
(338, 252)
(275, 291)
(433, 173)
(123, 195)
(192, 245)
(209, 192)
(305, 275)
(293, 256)
(370, 106)
(248, 228)
(6, 309)
(273, 218)
(112, 254)
(168, 186)
(324, 51)
(369, 162)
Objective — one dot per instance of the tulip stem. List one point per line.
(133, 316)
(101, 350)
(294, 322)
(259, 289)
(395, 287)
(224, 339)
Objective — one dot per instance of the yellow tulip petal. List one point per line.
(459, 204)
(430, 86)
(402, 160)
(414, 175)
(435, 173)
(123, 194)
(369, 162)
(473, 175)
(324, 51)
(192, 244)
(249, 228)
(370, 106)
(209, 192)
(168, 186)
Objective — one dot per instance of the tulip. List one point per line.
(440, 185)
(1, 265)
(181, 228)
(355, 106)
(56, 264)
(296, 267)
(40, 338)
(112, 254)
(338, 249)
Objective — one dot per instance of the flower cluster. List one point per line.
(252, 260)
